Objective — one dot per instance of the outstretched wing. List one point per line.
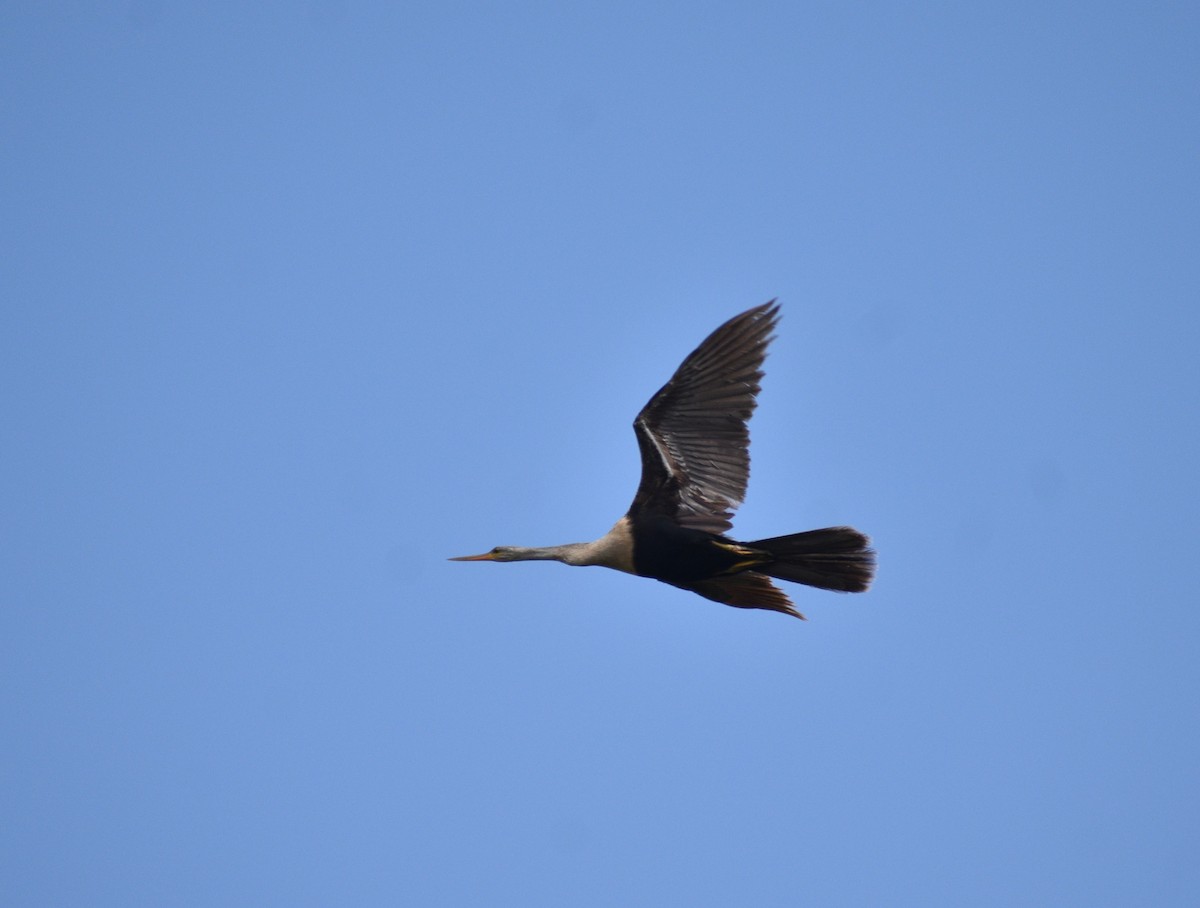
(692, 434)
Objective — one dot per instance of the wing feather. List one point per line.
(746, 590)
(693, 435)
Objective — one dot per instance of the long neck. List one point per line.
(568, 553)
(613, 550)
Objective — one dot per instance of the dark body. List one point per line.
(680, 556)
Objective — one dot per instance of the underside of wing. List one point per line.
(746, 590)
(693, 435)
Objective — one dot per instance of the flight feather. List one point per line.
(693, 435)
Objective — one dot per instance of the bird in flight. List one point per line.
(694, 444)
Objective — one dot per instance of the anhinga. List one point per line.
(693, 441)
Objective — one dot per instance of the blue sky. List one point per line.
(301, 299)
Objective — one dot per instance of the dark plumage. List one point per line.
(693, 440)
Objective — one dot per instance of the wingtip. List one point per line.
(769, 313)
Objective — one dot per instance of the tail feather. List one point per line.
(835, 558)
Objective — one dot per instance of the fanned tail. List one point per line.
(835, 558)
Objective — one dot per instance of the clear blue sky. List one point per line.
(300, 300)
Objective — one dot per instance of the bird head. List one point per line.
(499, 553)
